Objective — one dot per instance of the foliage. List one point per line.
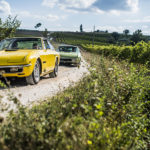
(140, 53)
(109, 109)
(45, 33)
(8, 27)
(126, 32)
(137, 36)
(115, 35)
(37, 25)
(2, 84)
(81, 28)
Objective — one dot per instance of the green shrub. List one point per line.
(109, 109)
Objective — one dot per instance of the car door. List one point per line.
(50, 56)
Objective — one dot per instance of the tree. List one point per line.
(106, 31)
(126, 32)
(37, 25)
(115, 35)
(137, 36)
(8, 27)
(45, 33)
(81, 28)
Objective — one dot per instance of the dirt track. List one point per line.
(47, 87)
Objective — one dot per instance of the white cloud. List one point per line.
(24, 14)
(73, 6)
(96, 10)
(5, 7)
(49, 3)
(48, 17)
(143, 20)
(133, 4)
(115, 12)
(76, 6)
(79, 4)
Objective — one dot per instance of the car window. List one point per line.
(67, 49)
(26, 43)
(4, 44)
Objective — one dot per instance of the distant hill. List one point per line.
(29, 33)
(82, 37)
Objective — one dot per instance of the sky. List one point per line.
(68, 15)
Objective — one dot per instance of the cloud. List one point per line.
(24, 14)
(47, 17)
(108, 5)
(49, 3)
(112, 28)
(72, 5)
(133, 4)
(143, 20)
(99, 6)
(69, 4)
(5, 7)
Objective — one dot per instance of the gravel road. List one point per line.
(46, 88)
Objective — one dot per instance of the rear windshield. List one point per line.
(21, 43)
(67, 49)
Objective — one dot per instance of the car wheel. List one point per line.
(34, 78)
(55, 71)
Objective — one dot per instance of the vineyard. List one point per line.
(140, 53)
(77, 38)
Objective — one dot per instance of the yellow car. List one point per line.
(29, 58)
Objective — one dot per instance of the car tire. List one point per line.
(55, 71)
(34, 78)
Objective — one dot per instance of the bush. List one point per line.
(8, 27)
(109, 109)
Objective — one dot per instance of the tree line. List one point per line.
(126, 37)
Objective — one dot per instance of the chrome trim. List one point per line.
(19, 66)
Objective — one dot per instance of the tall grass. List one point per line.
(109, 109)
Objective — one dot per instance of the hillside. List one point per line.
(78, 38)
